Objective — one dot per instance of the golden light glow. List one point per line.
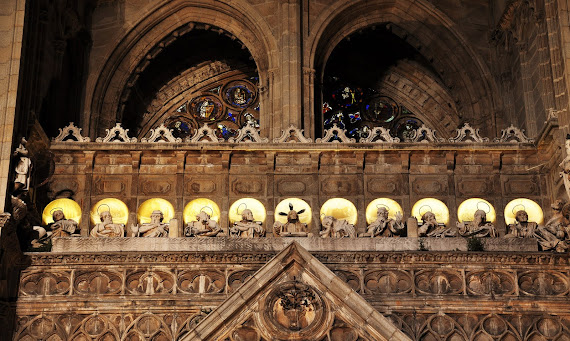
(372, 208)
(195, 206)
(467, 209)
(431, 204)
(339, 208)
(254, 205)
(119, 211)
(70, 208)
(298, 204)
(533, 210)
(146, 208)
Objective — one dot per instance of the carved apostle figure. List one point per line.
(337, 228)
(431, 228)
(479, 227)
(384, 226)
(106, 228)
(555, 235)
(62, 227)
(156, 228)
(293, 227)
(202, 227)
(23, 169)
(247, 227)
(522, 228)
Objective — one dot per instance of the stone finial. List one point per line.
(205, 135)
(513, 134)
(335, 134)
(425, 134)
(248, 134)
(161, 134)
(117, 134)
(71, 133)
(380, 135)
(292, 135)
(468, 134)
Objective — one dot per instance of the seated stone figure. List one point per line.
(156, 228)
(384, 226)
(479, 227)
(336, 228)
(247, 227)
(202, 227)
(293, 227)
(522, 228)
(431, 228)
(62, 227)
(106, 228)
(555, 235)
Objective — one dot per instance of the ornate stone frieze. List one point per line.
(117, 134)
(292, 135)
(248, 134)
(425, 134)
(71, 133)
(335, 134)
(514, 135)
(205, 135)
(468, 134)
(161, 134)
(380, 135)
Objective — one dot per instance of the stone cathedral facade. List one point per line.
(284, 170)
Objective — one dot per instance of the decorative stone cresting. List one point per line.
(335, 134)
(513, 135)
(205, 135)
(71, 133)
(468, 134)
(248, 134)
(425, 134)
(161, 134)
(292, 135)
(380, 135)
(117, 134)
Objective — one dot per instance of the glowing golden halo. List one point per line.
(201, 204)
(71, 210)
(431, 204)
(391, 205)
(254, 205)
(298, 204)
(118, 209)
(340, 208)
(533, 210)
(146, 208)
(467, 209)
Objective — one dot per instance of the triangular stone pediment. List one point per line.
(295, 297)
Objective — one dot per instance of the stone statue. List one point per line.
(384, 226)
(431, 228)
(247, 227)
(555, 234)
(62, 227)
(202, 227)
(106, 228)
(522, 228)
(293, 227)
(156, 228)
(23, 169)
(336, 228)
(479, 227)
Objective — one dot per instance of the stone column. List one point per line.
(11, 30)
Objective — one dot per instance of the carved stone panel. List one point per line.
(295, 163)
(247, 163)
(66, 186)
(201, 282)
(98, 283)
(236, 279)
(157, 185)
(45, 284)
(337, 185)
(350, 278)
(439, 282)
(542, 283)
(474, 186)
(111, 185)
(387, 282)
(203, 184)
(429, 185)
(520, 185)
(386, 185)
(296, 185)
(144, 282)
(248, 185)
(490, 283)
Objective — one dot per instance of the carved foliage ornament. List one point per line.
(249, 133)
(71, 133)
(425, 134)
(380, 135)
(117, 134)
(205, 135)
(514, 135)
(468, 134)
(335, 134)
(292, 135)
(161, 134)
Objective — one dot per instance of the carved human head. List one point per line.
(247, 215)
(429, 217)
(382, 212)
(328, 221)
(203, 217)
(292, 215)
(480, 216)
(58, 215)
(156, 217)
(557, 205)
(521, 216)
(106, 217)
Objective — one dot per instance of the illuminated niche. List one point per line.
(146, 208)
(298, 205)
(436, 206)
(254, 205)
(340, 208)
(201, 204)
(70, 208)
(391, 205)
(533, 210)
(467, 209)
(118, 209)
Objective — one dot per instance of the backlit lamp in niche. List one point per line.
(466, 210)
(254, 205)
(436, 206)
(341, 209)
(533, 210)
(154, 204)
(71, 210)
(118, 209)
(298, 205)
(391, 205)
(201, 204)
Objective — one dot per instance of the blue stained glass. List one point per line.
(231, 117)
(355, 117)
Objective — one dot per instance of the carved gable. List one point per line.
(295, 297)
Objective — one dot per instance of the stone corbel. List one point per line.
(450, 161)
(496, 159)
(405, 162)
(136, 160)
(226, 159)
(180, 161)
(89, 160)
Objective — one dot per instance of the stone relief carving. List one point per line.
(550, 238)
(514, 135)
(156, 228)
(249, 133)
(431, 228)
(438, 282)
(45, 284)
(98, 283)
(388, 282)
(149, 282)
(106, 228)
(384, 226)
(478, 228)
(202, 227)
(380, 135)
(237, 278)
(247, 227)
(292, 135)
(201, 282)
(61, 227)
(336, 228)
(161, 134)
(335, 134)
(490, 283)
(205, 135)
(542, 283)
(23, 169)
(565, 165)
(293, 227)
(425, 134)
(468, 134)
(117, 134)
(70, 133)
